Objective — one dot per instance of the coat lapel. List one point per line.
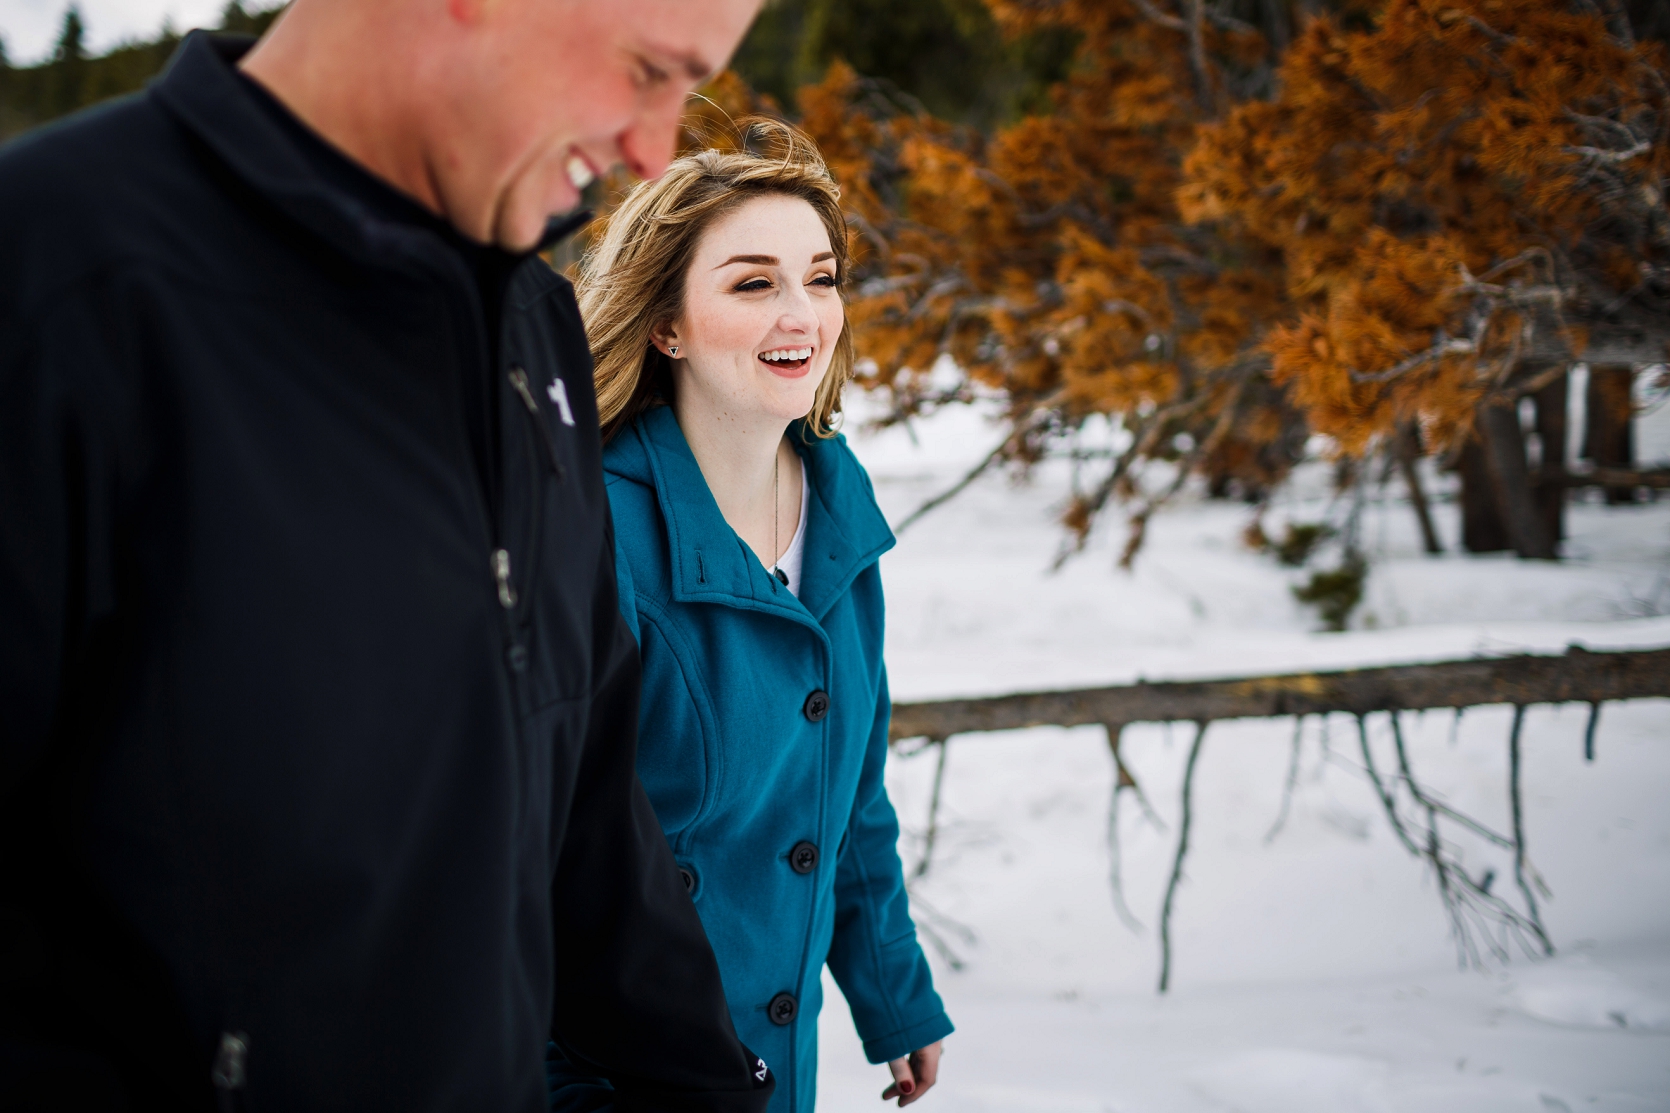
(845, 532)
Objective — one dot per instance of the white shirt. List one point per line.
(795, 556)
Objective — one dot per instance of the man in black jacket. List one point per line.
(317, 716)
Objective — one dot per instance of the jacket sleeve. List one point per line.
(874, 956)
(638, 996)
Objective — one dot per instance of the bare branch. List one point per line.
(1182, 851)
(1170, 22)
(1610, 158)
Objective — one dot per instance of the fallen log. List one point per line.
(1607, 477)
(1578, 676)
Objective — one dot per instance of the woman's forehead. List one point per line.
(785, 228)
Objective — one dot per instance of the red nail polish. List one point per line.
(907, 1087)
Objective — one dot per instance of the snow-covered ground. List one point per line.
(1313, 971)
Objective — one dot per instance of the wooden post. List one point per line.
(1550, 493)
(1608, 428)
(1482, 528)
(1505, 442)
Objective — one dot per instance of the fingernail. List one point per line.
(907, 1087)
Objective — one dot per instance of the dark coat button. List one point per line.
(804, 856)
(817, 705)
(688, 878)
(783, 1009)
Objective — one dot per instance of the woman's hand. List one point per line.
(914, 1075)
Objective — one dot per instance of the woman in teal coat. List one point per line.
(747, 540)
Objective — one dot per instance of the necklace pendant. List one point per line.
(782, 576)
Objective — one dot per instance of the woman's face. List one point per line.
(762, 312)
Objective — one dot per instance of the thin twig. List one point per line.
(955, 489)
(1292, 779)
(933, 812)
(1426, 801)
(1519, 863)
(936, 925)
(1473, 911)
(1039, 416)
(1182, 850)
(1387, 800)
(1589, 731)
(1115, 879)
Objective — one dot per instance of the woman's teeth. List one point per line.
(785, 355)
(579, 173)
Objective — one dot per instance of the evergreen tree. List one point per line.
(66, 86)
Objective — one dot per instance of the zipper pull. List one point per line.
(228, 1071)
(501, 575)
(519, 380)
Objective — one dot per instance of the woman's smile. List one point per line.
(788, 363)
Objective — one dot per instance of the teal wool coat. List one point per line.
(763, 741)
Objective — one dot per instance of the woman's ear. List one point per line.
(665, 338)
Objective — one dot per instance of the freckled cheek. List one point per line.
(729, 331)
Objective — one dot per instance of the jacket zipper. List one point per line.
(229, 1072)
(501, 576)
(519, 380)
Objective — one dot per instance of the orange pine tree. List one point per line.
(1466, 199)
(1049, 262)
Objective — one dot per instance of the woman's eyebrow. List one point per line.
(768, 260)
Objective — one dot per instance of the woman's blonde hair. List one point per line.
(632, 278)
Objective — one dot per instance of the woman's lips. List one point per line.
(787, 368)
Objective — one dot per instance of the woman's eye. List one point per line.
(828, 281)
(752, 285)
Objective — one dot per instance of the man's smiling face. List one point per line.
(550, 93)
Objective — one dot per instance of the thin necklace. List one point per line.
(776, 551)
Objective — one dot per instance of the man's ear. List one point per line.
(466, 11)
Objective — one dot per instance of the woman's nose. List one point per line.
(798, 314)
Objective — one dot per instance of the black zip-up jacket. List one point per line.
(317, 776)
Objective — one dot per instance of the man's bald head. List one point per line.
(494, 113)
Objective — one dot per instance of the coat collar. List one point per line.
(845, 531)
(200, 87)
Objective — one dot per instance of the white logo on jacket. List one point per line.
(559, 395)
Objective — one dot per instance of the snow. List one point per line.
(1312, 971)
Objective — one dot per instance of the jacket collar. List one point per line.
(200, 87)
(845, 531)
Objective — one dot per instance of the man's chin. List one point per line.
(521, 231)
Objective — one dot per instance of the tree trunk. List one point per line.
(1608, 431)
(1551, 432)
(1505, 445)
(1408, 450)
(1482, 528)
(1576, 677)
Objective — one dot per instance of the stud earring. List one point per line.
(673, 351)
